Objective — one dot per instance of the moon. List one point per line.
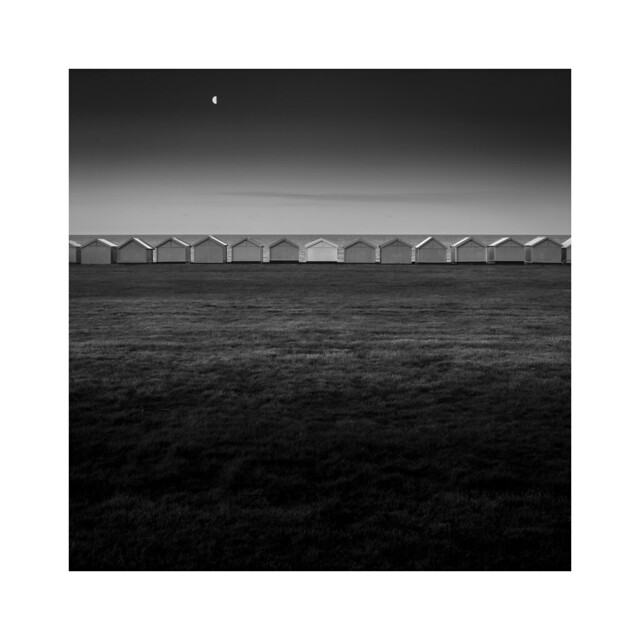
(214, 99)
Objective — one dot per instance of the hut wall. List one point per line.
(173, 252)
(73, 254)
(508, 252)
(360, 253)
(247, 252)
(322, 253)
(471, 252)
(209, 252)
(96, 254)
(431, 253)
(133, 253)
(284, 252)
(546, 252)
(567, 255)
(395, 253)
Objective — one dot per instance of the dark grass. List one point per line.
(320, 417)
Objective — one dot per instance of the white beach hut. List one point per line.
(505, 250)
(542, 250)
(246, 250)
(430, 250)
(284, 250)
(395, 251)
(173, 250)
(322, 250)
(468, 250)
(135, 251)
(209, 250)
(74, 251)
(360, 252)
(98, 251)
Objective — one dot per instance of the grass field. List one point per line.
(320, 417)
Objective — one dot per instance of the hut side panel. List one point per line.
(246, 252)
(209, 252)
(360, 253)
(471, 252)
(546, 252)
(430, 254)
(322, 252)
(73, 255)
(395, 253)
(96, 253)
(567, 255)
(284, 252)
(508, 252)
(172, 252)
(133, 253)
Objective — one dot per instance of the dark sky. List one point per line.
(320, 151)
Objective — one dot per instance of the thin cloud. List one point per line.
(440, 197)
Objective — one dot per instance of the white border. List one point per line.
(42, 41)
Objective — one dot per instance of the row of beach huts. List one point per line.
(210, 249)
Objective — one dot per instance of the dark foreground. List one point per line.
(319, 417)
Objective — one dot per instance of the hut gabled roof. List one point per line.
(314, 242)
(539, 239)
(497, 243)
(465, 240)
(248, 239)
(102, 241)
(396, 239)
(281, 240)
(142, 243)
(566, 244)
(372, 246)
(73, 244)
(427, 241)
(173, 239)
(207, 238)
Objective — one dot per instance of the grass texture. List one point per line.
(320, 417)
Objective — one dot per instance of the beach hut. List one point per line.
(542, 250)
(468, 250)
(360, 252)
(505, 250)
(209, 250)
(74, 251)
(135, 251)
(322, 250)
(430, 250)
(566, 251)
(173, 250)
(246, 250)
(395, 251)
(284, 250)
(98, 251)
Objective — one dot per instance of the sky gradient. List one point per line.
(334, 151)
